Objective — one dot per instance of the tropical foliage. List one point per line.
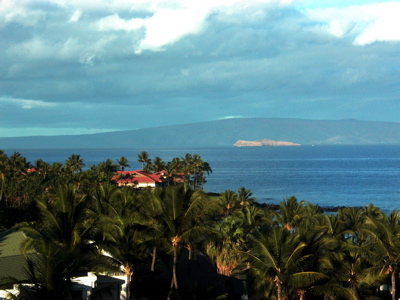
(77, 221)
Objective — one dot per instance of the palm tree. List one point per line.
(351, 259)
(144, 158)
(108, 166)
(101, 198)
(245, 197)
(158, 164)
(123, 162)
(201, 167)
(291, 213)
(124, 239)
(17, 164)
(42, 167)
(194, 169)
(197, 164)
(386, 234)
(66, 220)
(3, 168)
(226, 245)
(229, 201)
(151, 210)
(254, 218)
(64, 243)
(278, 255)
(322, 255)
(74, 163)
(173, 169)
(50, 271)
(56, 168)
(353, 219)
(183, 215)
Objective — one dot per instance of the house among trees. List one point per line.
(16, 276)
(141, 179)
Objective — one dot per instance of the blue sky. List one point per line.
(73, 67)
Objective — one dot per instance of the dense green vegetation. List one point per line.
(186, 244)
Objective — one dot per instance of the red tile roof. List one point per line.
(138, 176)
(142, 177)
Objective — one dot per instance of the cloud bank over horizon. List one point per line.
(72, 67)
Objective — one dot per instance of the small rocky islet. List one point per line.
(263, 142)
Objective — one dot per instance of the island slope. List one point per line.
(223, 133)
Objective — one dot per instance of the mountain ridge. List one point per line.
(222, 133)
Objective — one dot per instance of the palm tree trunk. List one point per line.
(128, 286)
(153, 260)
(227, 210)
(2, 185)
(190, 250)
(174, 281)
(302, 294)
(278, 283)
(393, 277)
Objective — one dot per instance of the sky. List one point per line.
(86, 66)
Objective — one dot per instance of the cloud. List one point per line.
(26, 104)
(229, 117)
(114, 22)
(76, 16)
(19, 12)
(367, 24)
(384, 28)
(133, 64)
(168, 26)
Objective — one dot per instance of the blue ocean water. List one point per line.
(324, 175)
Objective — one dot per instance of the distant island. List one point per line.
(221, 133)
(264, 142)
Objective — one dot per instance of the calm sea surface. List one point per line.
(324, 175)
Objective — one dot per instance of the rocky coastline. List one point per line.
(264, 142)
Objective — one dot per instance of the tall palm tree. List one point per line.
(151, 210)
(124, 239)
(197, 164)
(201, 168)
(158, 164)
(386, 234)
(183, 217)
(144, 158)
(187, 168)
(173, 169)
(123, 162)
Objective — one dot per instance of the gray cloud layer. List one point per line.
(93, 67)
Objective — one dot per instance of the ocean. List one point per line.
(323, 175)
